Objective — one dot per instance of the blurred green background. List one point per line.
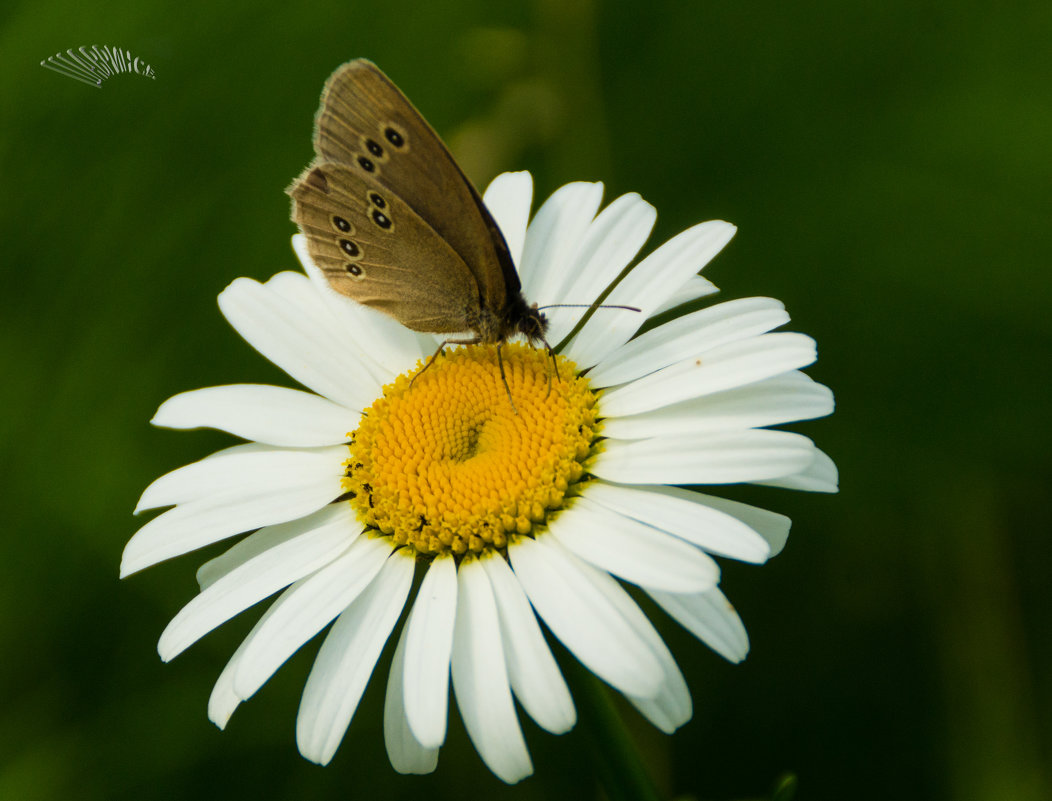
(890, 169)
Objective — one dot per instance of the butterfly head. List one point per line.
(521, 318)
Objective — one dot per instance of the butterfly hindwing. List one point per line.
(374, 248)
(367, 123)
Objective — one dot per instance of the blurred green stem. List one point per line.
(615, 760)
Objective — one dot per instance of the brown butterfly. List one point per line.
(394, 223)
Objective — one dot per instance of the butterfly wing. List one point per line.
(373, 247)
(366, 122)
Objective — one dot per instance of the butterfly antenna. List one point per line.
(586, 306)
(551, 350)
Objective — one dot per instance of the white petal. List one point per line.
(611, 242)
(710, 617)
(382, 345)
(305, 609)
(299, 336)
(668, 706)
(695, 288)
(631, 550)
(223, 700)
(347, 657)
(508, 198)
(672, 706)
(199, 480)
(553, 239)
(772, 526)
(319, 540)
(782, 399)
(819, 476)
(647, 287)
(405, 753)
(429, 644)
(534, 674)
(274, 415)
(335, 516)
(683, 513)
(728, 366)
(245, 470)
(480, 678)
(754, 455)
(687, 337)
(572, 598)
(196, 524)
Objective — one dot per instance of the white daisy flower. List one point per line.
(511, 516)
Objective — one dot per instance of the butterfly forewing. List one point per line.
(371, 245)
(367, 123)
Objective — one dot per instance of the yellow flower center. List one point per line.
(448, 464)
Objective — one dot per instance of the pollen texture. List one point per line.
(448, 464)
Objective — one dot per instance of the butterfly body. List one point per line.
(394, 223)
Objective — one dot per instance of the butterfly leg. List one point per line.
(439, 349)
(429, 361)
(500, 364)
(555, 366)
